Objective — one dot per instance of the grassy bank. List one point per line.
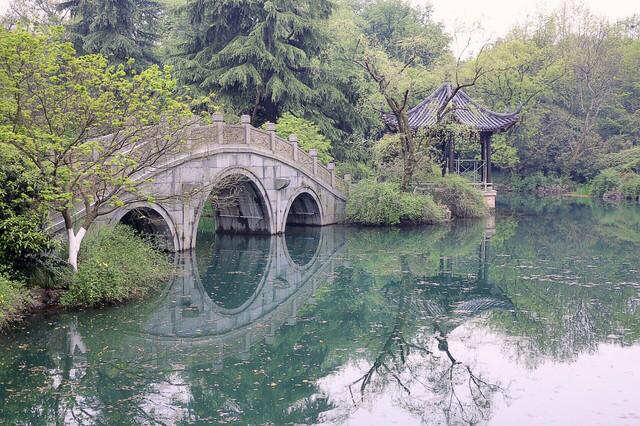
(373, 203)
(115, 265)
(13, 300)
(459, 196)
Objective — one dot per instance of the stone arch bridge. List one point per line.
(280, 185)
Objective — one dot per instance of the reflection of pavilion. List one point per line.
(462, 287)
(250, 288)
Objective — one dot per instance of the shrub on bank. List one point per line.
(606, 181)
(614, 184)
(457, 193)
(541, 184)
(373, 203)
(115, 265)
(13, 299)
(631, 187)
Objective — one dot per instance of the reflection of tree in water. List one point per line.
(572, 285)
(430, 378)
(79, 372)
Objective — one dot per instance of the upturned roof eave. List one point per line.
(429, 107)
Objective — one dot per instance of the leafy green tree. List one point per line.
(577, 79)
(397, 24)
(31, 13)
(256, 55)
(341, 90)
(55, 111)
(21, 218)
(117, 29)
(309, 136)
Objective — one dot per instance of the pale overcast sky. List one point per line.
(495, 17)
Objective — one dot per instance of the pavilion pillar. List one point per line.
(485, 140)
(483, 169)
(452, 154)
(488, 144)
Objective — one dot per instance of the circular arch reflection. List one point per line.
(302, 244)
(233, 268)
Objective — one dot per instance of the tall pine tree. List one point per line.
(256, 55)
(117, 29)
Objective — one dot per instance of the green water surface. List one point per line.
(531, 319)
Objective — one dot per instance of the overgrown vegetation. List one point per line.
(457, 194)
(13, 299)
(309, 136)
(116, 265)
(541, 184)
(373, 203)
(621, 178)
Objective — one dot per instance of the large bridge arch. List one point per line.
(149, 219)
(253, 212)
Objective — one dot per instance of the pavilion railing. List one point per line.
(471, 169)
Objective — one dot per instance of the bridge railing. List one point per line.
(221, 133)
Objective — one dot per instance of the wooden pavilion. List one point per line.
(447, 104)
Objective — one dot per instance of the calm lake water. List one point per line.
(532, 320)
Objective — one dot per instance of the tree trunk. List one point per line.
(409, 158)
(256, 106)
(74, 241)
(408, 149)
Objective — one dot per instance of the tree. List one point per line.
(22, 238)
(394, 23)
(55, 111)
(309, 136)
(31, 13)
(577, 78)
(255, 55)
(117, 29)
(396, 81)
(340, 105)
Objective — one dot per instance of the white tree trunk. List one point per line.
(74, 245)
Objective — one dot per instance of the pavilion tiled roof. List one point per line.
(461, 108)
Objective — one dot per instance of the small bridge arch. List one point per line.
(304, 208)
(149, 220)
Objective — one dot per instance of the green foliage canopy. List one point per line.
(257, 56)
(117, 29)
(309, 136)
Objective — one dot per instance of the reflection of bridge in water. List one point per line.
(238, 290)
(245, 290)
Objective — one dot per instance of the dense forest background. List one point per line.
(575, 76)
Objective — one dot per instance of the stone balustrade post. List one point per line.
(245, 120)
(332, 169)
(313, 153)
(293, 140)
(271, 128)
(218, 120)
